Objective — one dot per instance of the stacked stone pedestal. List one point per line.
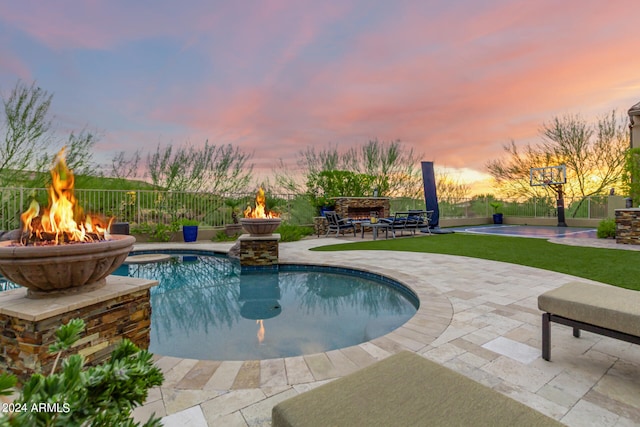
(258, 252)
(628, 226)
(121, 309)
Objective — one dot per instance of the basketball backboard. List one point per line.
(548, 175)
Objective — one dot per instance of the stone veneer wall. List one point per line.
(258, 251)
(628, 226)
(25, 342)
(320, 225)
(368, 203)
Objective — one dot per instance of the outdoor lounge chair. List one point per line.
(405, 389)
(337, 224)
(410, 221)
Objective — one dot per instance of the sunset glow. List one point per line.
(452, 80)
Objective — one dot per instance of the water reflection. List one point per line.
(6, 285)
(330, 293)
(204, 308)
(177, 302)
(259, 295)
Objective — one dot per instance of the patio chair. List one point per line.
(410, 220)
(337, 224)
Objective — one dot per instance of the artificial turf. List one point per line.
(613, 266)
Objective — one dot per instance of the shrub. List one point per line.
(157, 232)
(606, 228)
(293, 233)
(221, 236)
(102, 395)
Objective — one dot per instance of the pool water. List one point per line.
(204, 308)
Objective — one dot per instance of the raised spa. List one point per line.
(205, 309)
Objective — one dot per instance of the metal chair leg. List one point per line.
(546, 336)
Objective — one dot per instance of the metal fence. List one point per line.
(156, 207)
(137, 207)
(594, 207)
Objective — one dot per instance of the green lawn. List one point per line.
(616, 267)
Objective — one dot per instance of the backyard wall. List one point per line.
(515, 220)
(571, 222)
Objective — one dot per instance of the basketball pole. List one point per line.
(554, 177)
(560, 204)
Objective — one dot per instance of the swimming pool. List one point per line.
(204, 308)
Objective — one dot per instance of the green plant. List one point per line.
(607, 228)
(496, 206)
(323, 201)
(102, 395)
(157, 232)
(234, 204)
(188, 222)
(631, 174)
(300, 210)
(221, 236)
(338, 183)
(292, 233)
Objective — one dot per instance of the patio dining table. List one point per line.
(375, 226)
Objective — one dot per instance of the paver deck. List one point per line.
(477, 317)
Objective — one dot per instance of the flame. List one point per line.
(260, 334)
(260, 211)
(63, 220)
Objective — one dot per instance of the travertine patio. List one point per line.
(477, 317)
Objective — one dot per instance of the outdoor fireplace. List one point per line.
(359, 208)
(362, 207)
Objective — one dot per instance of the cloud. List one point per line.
(455, 81)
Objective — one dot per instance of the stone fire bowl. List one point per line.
(62, 269)
(260, 226)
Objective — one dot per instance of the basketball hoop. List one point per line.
(548, 176)
(554, 177)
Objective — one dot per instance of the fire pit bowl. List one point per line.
(257, 227)
(54, 270)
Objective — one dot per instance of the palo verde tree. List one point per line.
(389, 167)
(335, 183)
(26, 128)
(124, 167)
(214, 168)
(79, 153)
(28, 141)
(450, 187)
(594, 155)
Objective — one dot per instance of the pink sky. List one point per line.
(454, 80)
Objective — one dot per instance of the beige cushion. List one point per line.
(605, 306)
(405, 390)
